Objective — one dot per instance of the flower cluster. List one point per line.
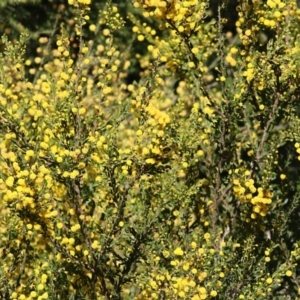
(246, 191)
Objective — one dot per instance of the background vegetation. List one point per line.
(149, 150)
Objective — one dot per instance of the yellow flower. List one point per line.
(208, 110)
(74, 174)
(140, 37)
(82, 111)
(207, 236)
(75, 228)
(269, 280)
(248, 32)
(92, 27)
(282, 176)
(44, 278)
(10, 181)
(107, 90)
(150, 161)
(85, 2)
(95, 245)
(193, 245)
(166, 253)
(178, 251)
(59, 225)
(213, 293)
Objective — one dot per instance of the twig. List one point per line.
(259, 154)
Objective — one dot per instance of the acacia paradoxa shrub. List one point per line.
(181, 184)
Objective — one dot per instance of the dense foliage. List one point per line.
(150, 150)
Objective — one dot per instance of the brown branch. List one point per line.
(259, 154)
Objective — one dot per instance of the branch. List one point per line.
(259, 154)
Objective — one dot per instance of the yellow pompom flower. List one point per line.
(178, 251)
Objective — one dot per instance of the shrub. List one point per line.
(181, 184)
